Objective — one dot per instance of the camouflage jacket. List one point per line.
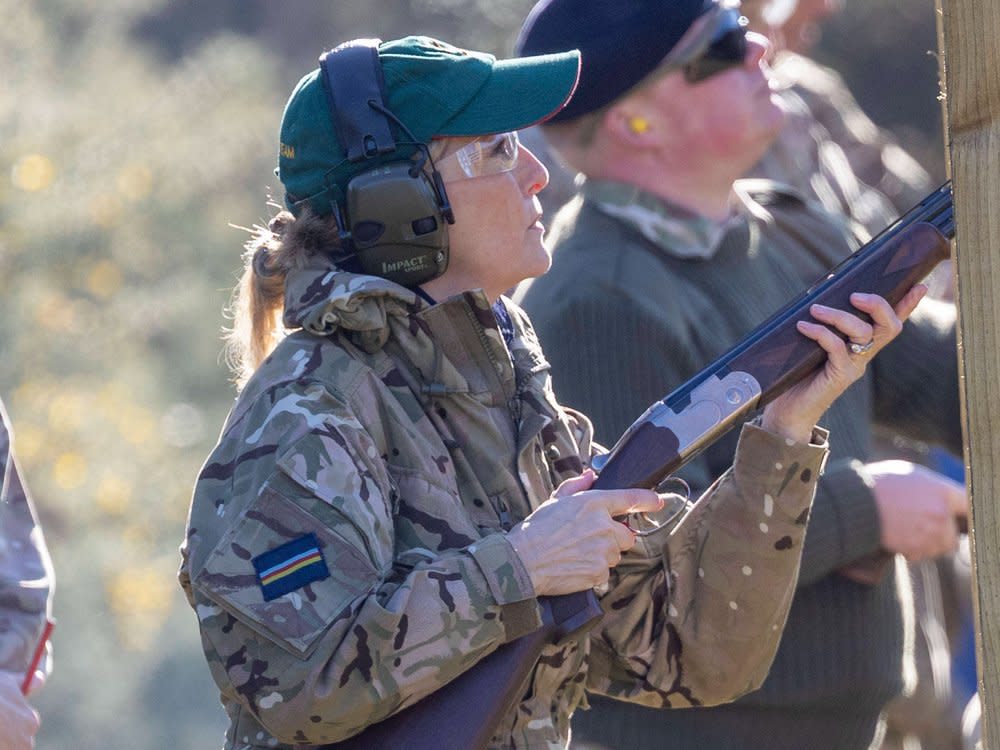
(25, 569)
(346, 551)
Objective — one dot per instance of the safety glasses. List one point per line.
(485, 156)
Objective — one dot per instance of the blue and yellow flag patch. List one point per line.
(290, 566)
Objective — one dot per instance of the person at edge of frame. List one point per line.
(829, 149)
(26, 586)
(664, 239)
(872, 153)
(396, 483)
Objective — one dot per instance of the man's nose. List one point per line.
(757, 49)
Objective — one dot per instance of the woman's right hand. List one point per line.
(572, 540)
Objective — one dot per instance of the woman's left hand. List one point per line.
(795, 412)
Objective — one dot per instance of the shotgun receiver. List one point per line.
(465, 713)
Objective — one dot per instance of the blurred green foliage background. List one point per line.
(137, 137)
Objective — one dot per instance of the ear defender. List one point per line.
(638, 125)
(394, 218)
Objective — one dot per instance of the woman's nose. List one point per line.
(536, 176)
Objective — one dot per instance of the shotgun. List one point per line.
(465, 713)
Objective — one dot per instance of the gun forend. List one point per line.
(716, 404)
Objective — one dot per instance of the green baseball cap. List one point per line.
(434, 89)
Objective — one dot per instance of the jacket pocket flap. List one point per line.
(280, 571)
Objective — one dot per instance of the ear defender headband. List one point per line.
(394, 216)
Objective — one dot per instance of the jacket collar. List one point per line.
(455, 343)
(675, 230)
(322, 299)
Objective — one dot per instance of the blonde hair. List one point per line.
(258, 300)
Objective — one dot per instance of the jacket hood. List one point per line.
(322, 299)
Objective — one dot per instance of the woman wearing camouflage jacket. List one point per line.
(396, 484)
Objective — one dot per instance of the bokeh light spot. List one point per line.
(137, 425)
(140, 597)
(69, 470)
(182, 425)
(135, 182)
(105, 210)
(104, 279)
(114, 495)
(33, 172)
(30, 440)
(66, 413)
(54, 311)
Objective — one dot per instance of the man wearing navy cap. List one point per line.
(672, 107)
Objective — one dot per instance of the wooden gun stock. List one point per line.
(466, 713)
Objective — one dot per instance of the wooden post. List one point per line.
(969, 44)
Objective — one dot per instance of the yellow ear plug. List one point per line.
(638, 125)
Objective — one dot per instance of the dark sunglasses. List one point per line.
(728, 49)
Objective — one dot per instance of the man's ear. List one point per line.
(629, 125)
(638, 124)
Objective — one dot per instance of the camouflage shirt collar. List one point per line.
(671, 228)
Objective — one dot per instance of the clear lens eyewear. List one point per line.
(480, 158)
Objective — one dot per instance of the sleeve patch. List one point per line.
(253, 574)
(290, 566)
